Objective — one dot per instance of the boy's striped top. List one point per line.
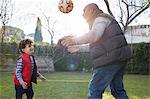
(19, 69)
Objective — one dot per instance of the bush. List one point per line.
(139, 64)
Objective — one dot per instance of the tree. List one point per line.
(55, 52)
(129, 10)
(13, 34)
(49, 26)
(38, 33)
(6, 9)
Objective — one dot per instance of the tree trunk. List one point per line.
(3, 33)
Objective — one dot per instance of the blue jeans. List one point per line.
(108, 75)
(20, 91)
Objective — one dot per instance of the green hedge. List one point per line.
(83, 62)
(139, 64)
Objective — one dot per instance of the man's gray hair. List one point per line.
(94, 7)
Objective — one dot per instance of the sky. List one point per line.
(25, 15)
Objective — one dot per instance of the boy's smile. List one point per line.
(29, 48)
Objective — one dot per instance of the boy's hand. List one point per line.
(24, 85)
(42, 78)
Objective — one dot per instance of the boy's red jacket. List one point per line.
(26, 70)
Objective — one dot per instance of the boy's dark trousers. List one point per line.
(20, 91)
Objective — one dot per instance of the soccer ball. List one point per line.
(65, 6)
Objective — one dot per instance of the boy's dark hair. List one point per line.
(23, 44)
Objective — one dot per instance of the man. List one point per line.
(109, 52)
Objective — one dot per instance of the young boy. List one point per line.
(26, 70)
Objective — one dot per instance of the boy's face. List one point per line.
(29, 48)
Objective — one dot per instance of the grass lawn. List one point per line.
(73, 85)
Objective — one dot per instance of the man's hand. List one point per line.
(73, 48)
(67, 41)
(42, 78)
(24, 85)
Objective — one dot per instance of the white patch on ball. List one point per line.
(65, 6)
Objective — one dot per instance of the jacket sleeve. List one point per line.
(95, 33)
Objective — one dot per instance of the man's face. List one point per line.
(29, 48)
(87, 14)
